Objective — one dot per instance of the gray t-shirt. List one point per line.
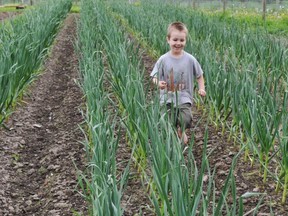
(179, 75)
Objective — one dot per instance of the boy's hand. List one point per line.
(202, 92)
(162, 84)
(201, 86)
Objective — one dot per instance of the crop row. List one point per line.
(245, 72)
(117, 95)
(24, 43)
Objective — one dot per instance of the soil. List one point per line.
(7, 15)
(41, 143)
(40, 147)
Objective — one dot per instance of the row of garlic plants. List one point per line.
(99, 184)
(110, 64)
(24, 43)
(245, 72)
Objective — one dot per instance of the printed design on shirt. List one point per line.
(175, 81)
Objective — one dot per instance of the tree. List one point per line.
(264, 10)
(224, 5)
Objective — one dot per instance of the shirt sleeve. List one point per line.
(157, 68)
(197, 69)
(154, 71)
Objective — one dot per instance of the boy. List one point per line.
(174, 74)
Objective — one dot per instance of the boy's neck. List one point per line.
(177, 55)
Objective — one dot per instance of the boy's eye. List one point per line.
(181, 40)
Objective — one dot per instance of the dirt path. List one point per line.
(37, 174)
(7, 15)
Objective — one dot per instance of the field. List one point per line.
(85, 136)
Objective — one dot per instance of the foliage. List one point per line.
(75, 9)
(275, 23)
(24, 44)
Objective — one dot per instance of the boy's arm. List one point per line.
(201, 86)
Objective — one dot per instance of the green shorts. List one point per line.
(181, 116)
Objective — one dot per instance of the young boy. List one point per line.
(174, 74)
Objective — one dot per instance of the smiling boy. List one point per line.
(174, 73)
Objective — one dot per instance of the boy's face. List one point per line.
(177, 41)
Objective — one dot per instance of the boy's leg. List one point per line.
(182, 135)
(185, 115)
(172, 113)
(181, 117)
(184, 121)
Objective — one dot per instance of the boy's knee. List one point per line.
(186, 117)
(186, 120)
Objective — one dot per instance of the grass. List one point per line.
(12, 8)
(249, 13)
(275, 23)
(75, 8)
(8, 9)
(276, 20)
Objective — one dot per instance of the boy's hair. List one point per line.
(178, 26)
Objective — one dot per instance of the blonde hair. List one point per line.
(178, 26)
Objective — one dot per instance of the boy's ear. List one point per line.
(167, 39)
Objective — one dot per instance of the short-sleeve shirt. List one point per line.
(179, 74)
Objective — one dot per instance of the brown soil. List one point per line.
(38, 152)
(221, 152)
(7, 15)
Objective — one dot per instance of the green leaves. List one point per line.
(24, 44)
